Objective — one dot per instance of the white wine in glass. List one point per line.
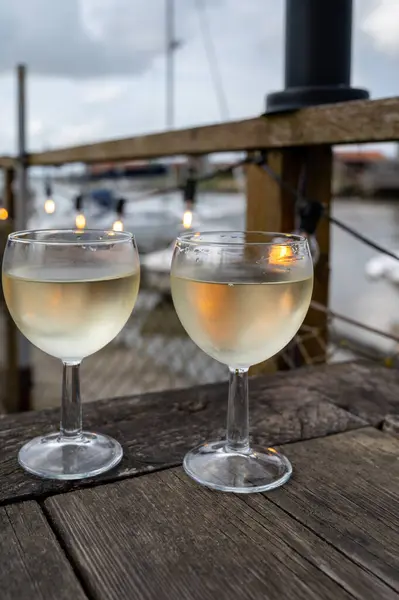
(70, 313)
(70, 293)
(241, 297)
(239, 323)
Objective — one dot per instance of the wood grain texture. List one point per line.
(345, 489)
(318, 161)
(269, 207)
(349, 122)
(156, 430)
(375, 387)
(391, 424)
(7, 162)
(32, 564)
(160, 536)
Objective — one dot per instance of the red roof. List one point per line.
(360, 156)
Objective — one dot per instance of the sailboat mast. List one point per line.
(170, 70)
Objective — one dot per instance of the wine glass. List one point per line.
(241, 297)
(70, 293)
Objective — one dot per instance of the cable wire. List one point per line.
(303, 199)
(212, 59)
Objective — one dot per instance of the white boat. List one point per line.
(384, 267)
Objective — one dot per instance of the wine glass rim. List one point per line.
(198, 238)
(26, 236)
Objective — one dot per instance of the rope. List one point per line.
(331, 313)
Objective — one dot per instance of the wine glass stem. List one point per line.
(237, 439)
(71, 406)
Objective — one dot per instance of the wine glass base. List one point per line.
(57, 457)
(259, 470)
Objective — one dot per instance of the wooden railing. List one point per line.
(351, 122)
(292, 140)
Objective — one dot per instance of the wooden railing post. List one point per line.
(270, 207)
(12, 395)
(319, 161)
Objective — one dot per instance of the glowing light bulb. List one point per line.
(118, 225)
(280, 254)
(3, 214)
(187, 219)
(80, 221)
(49, 206)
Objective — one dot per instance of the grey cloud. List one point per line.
(121, 44)
(90, 38)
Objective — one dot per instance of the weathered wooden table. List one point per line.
(145, 531)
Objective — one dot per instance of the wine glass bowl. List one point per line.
(70, 293)
(241, 296)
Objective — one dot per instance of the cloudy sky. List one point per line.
(97, 67)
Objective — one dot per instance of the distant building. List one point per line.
(358, 159)
(365, 173)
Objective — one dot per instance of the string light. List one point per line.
(80, 221)
(49, 206)
(189, 195)
(117, 225)
(187, 219)
(3, 214)
(280, 254)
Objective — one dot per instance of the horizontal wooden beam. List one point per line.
(7, 162)
(349, 122)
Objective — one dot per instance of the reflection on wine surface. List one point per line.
(70, 312)
(242, 322)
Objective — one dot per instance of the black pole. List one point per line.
(318, 48)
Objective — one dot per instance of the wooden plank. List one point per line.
(32, 564)
(349, 122)
(376, 388)
(318, 184)
(164, 537)
(345, 489)
(156, 430)
(7, 162)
